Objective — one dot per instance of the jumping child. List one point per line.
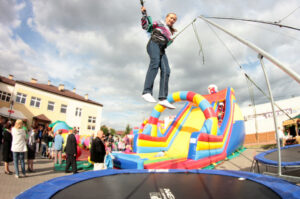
(161, 33)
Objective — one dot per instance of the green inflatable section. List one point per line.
(235, 154)
(84, 165)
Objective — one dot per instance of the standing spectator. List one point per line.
(126, 140)
(44, 141)
(50, 145)
(121, 145)
(98, 152)
(1, 130)
(7, 141)
(58, 145)
(110, 140)
(91, 138)
(75, 130)
(24, 126)
(31, 149)
(39, 138)
(71, 152)
(19, 147)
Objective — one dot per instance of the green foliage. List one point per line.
(127, 130)
(112, 132)
(105, 130)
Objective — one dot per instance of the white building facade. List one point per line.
(263, 121)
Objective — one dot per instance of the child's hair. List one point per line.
(173, 30)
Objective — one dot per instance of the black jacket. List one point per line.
(71, 146)
(97, 151)
(7, 141)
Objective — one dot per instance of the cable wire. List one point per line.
(199, 41)
(279, 21)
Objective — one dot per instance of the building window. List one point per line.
(35, 102)
(5, 96)
(78, 112)
(90, 127)
(21, 98)
(50, 106)
(63, 108)
(92, 119)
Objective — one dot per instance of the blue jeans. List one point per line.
(19, 156)
(158, 60)
(44, 149)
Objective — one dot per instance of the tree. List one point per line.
(112, 132)
(127, 130)
(105, 130)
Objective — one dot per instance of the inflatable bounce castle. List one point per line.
(206, 130)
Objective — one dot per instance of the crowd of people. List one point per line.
(18, 143)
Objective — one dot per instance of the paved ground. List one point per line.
(10, 187)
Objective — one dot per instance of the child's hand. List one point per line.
(143, 9)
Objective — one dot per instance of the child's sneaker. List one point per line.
(166, 104)
(149, 98)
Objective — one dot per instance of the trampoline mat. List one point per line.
(291, 154)
(166, 185)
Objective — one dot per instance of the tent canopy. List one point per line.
(12, 113)
(294, 121)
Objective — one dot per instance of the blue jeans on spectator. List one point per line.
(44, 149)
(158, 59)
(19, 156)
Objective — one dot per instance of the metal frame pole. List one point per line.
(272, 59)
(274, 113)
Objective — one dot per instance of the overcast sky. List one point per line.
(99, 48)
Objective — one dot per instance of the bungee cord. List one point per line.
(248, 78)
(256, 21)
(279, 21)
(199, 41)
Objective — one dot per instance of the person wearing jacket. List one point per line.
(71, 152)
(7, 154)
(98, 152)
(161, 32)
(19, 147)
(31, 144)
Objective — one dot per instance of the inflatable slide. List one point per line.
(206, 130)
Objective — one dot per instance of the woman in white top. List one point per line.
(19, 147)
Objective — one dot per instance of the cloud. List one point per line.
(102, 49)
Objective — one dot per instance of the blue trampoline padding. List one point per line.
(261, 157)
(47, 189)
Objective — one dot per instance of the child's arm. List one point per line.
(146, 21)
